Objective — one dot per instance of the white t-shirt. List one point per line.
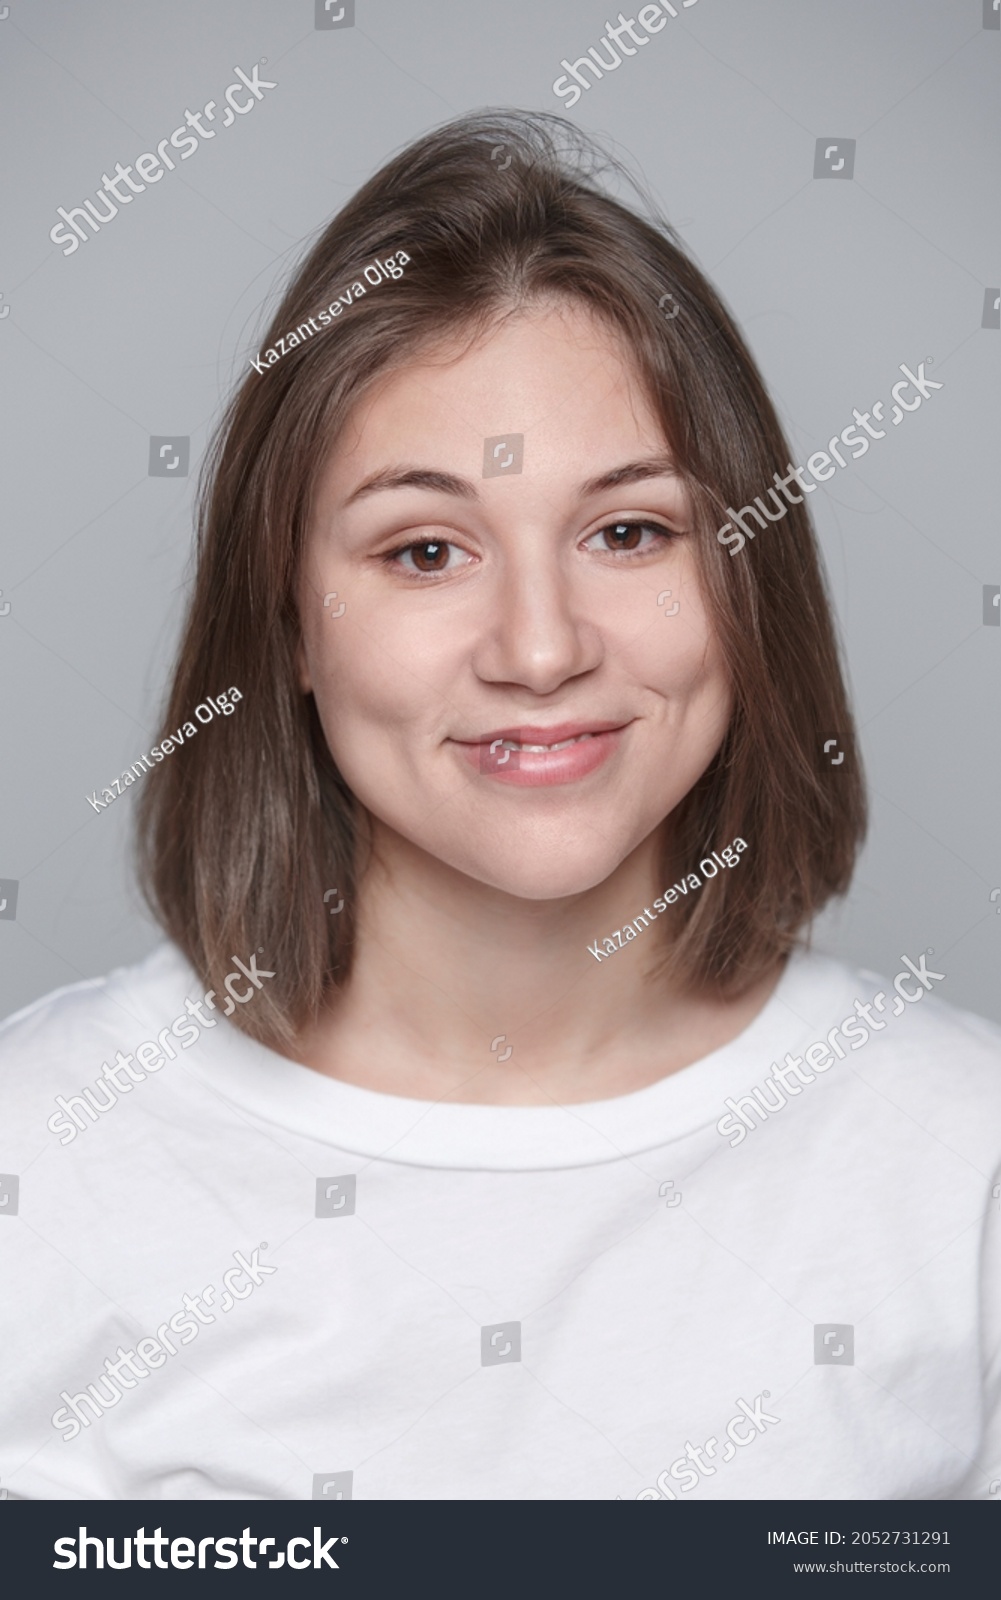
(499, 1302)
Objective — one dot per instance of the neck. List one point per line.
(459, 990)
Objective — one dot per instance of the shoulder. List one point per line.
(912, 1007)
(926, 1028)
(906, 1044)
(63, 1037)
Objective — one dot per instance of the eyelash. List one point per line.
(644, 524)
(665, 535)
(391, 558)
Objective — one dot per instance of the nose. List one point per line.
(538, 635)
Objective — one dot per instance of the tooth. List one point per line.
(544, 749)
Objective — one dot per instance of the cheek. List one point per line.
(680, 669)
(675, 652)
(359, 687)
(378, 690)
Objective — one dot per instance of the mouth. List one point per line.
(538, 749)
(534, 756)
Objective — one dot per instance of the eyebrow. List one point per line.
(633, 472)
(449, 483)
(414, 478)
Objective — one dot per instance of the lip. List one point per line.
(553, 733)
(542, 768)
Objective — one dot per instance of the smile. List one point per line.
(539, 749)
(542, 757)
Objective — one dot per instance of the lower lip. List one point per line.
(539, 768)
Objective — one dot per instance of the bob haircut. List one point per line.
(240, 838)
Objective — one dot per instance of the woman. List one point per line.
(485, 1203)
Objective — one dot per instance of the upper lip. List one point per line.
(521, 734)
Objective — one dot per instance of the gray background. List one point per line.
(835, 283)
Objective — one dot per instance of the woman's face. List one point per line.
(505, 536)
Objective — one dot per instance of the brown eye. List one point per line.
(628, 538)
(623, 535)
(429, 557)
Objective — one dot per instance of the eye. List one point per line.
(428, 558)
(639, 538)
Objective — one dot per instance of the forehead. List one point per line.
(554, 374)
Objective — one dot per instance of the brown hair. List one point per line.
(242, 834)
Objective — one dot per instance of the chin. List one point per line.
(540, 873)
